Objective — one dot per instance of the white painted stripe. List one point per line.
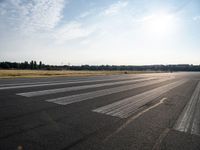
(127, 107)
(195, 129)
(27, 83)
(67, 89)
(188, 120)
(133, 118)
(151, 107)
(85, 96)
(61, 83)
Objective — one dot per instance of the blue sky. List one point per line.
(118, 32)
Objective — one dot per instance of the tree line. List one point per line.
(23, 65)
(34, 65)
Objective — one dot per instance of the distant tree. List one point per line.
(26, 65)
(14, 65)
(32, 65)
(5, 65)
(35, 65)
(40, 65)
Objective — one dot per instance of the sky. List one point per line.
(100, 32)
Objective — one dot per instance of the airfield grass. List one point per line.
(62, 73)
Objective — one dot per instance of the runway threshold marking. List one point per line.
(127, 107)
(135, 117)
(189, 120)
(59, 83)
(26, 83)
(74, 88)
(89, 95)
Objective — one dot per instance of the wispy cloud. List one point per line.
(32, 15)
(72, 31)
(85, 14)
(41, 19)
(115, 8)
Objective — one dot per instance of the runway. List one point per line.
(120, 112)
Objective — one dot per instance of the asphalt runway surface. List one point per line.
(159, 111)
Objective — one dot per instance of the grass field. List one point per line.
(46, 73)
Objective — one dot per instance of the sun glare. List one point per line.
(160, 24)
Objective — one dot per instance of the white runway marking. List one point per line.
(27, 83)
(189, 120)
(67, 89)
(59, 83)
(195, 129)
(133, 118)
(127, 107)
(85, 96)
(144, 111)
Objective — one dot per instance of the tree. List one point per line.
(40, 65)
(32, 65)
(26, 65)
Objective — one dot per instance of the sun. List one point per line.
(160, 24)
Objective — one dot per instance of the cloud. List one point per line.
(72, 31)
(41, 20)
(85, 14)
(32, 15)
(196, 18)
(115, 8)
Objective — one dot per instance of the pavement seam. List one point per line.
(160, 139)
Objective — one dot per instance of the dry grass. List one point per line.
(46, 73)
